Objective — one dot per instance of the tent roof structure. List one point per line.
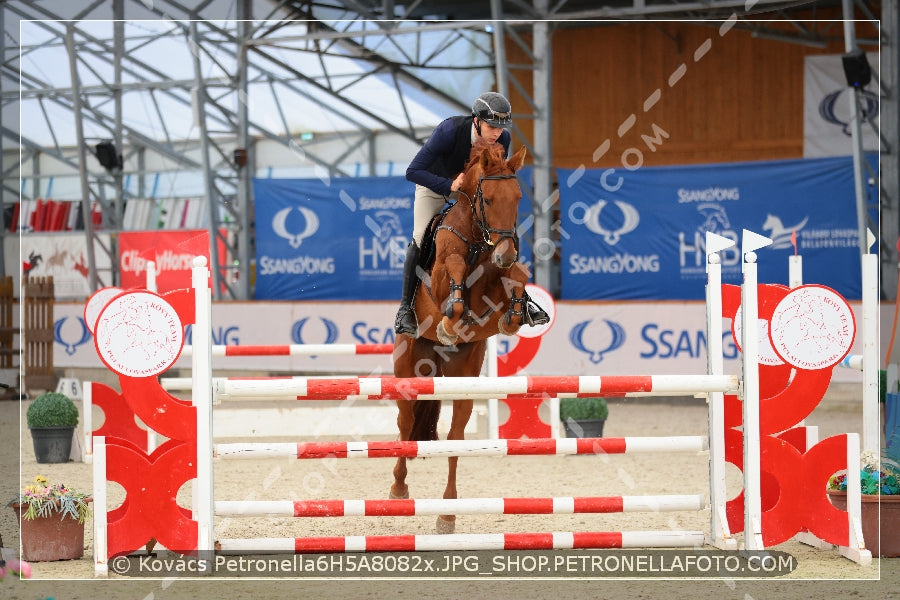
(180, 85)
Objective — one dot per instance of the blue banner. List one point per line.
(640, 234)
(339, 239)
(525, 225)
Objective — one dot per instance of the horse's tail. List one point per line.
(425, 418)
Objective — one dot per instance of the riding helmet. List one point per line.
(494, 109)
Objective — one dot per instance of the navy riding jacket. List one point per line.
(445, 154)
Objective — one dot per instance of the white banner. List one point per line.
(826, 108)
(62, 256)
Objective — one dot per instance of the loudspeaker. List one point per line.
(857, 69)
(107, 155)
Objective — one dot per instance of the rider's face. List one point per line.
(489, 132)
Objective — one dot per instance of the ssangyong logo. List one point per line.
(280, 225)
(71, 337)
(330, 331)
(609, 262)
(838, 113)
(599, 340)
(629, 221)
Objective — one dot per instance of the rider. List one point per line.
(437, 172)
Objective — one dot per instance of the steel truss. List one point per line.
(237, 44)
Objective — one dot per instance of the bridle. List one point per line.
(483, 225)
(481, 221)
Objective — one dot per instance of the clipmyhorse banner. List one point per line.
(640, 234)
(171, 251)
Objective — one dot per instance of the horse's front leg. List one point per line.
(454, 307)
(516, 314)
(405, 417)
(462, 410)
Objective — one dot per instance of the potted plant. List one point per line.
(52, 520)
(52, 418)
(583, 417)
(880, 489)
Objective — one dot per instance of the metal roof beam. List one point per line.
(637, 10)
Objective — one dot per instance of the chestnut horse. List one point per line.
(474, 290)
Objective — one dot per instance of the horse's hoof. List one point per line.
(443, 336)
(392, 496)
(445, 527)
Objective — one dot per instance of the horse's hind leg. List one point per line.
(462, 410)
(467, 361)
(399, 489)
(404, 355)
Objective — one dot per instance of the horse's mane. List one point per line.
(496, 153)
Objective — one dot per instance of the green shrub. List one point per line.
(52, 410)
(581, 409)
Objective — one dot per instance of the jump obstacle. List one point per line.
(270, 421)
(119, 420)
(714, 383)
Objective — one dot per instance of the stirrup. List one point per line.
(406, 323)
(536, 314)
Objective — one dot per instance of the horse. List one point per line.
(474, 289)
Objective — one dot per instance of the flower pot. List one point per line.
(52, 444)
(887, 544)
(587, 428)
(50, 538)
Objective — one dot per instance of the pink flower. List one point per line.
(19, 566)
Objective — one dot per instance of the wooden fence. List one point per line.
(37, 333)
(7, 331)
(9, 349)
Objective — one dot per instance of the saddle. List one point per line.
(427, 253)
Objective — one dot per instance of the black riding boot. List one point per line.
(536, 314)
(406, 315)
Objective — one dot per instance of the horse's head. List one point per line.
(492, 190)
